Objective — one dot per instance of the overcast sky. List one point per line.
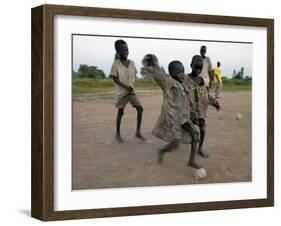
(99, 51)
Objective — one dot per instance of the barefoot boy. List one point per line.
(206, 72)
(123, 72)
(173, 124)
(199, 99)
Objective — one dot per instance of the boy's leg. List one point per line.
(134, 100)
(139, 119)
(219, 90)
(216, 90)
(202, 126)
(120, 105)
(169, 147)
(118, 124)
(194, 142)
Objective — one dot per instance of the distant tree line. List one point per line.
(86, 71)
(240, 74)
(235, 75)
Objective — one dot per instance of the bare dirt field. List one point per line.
(98, 161)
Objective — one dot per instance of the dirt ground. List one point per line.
(98, 161)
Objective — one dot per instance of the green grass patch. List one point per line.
(91, 86)
(236, 85)
(88, 86)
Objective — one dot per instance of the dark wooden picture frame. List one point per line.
(42, 203)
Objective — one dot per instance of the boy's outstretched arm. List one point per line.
(153, 70)
(213, 102)
(118, 82)
(150, 60)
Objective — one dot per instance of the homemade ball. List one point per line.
(238, 116)
(200, 174)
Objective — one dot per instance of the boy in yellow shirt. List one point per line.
(218, 80)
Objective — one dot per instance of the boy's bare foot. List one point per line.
(119, 139)
(203, 154)
(160, 156)
(194, 164)
(138, 135)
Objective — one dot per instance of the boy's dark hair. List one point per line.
(172, 66)
(203, 47)
(218, 63)
(118, 44)
(195, 57)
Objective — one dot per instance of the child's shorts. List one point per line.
(130, 97)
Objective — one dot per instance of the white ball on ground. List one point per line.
(238, 116)
(200, 174)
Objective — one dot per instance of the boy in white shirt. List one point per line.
(123, 72)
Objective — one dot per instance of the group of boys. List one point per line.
(185, 100)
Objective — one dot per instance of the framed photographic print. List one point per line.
(142, 112)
